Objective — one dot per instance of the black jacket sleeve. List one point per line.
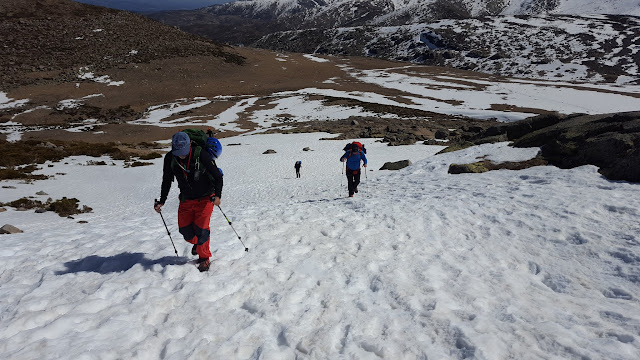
(167, 178)
(211, 167)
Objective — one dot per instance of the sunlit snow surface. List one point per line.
(535, 264)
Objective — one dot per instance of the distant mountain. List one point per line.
(547, 45)
(244, 21)
(551, 47)
(153, 5)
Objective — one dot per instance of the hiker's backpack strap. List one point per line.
(196, 153)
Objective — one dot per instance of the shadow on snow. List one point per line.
(117, 263)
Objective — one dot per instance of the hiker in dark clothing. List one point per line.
(200, 183)
(298, 165)
(353, 156)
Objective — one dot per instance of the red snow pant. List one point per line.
(193, 222)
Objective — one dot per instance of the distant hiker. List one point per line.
(200, 183)
(298, 165)
(354, 153)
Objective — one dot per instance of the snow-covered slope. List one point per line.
(533, 264)
(552, 47)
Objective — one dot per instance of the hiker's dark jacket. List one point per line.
(193, 183)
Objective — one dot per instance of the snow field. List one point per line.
(535, 264)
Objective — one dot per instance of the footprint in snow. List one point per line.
(614, 293)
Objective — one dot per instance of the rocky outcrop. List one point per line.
(608, 141)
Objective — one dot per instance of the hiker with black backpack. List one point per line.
(200, 183)
(354, 154)
(297, 166)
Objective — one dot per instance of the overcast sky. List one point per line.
(154, 5)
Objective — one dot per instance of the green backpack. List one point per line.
(199, 140)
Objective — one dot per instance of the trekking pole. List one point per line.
(165, 226)
(234, 230)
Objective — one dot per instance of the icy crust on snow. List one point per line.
(538, 263)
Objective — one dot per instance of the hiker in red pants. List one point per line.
(200, 183)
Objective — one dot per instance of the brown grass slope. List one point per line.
(47, 41)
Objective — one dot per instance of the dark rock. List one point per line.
(270, 151)
(396, 165)
(306, 149)
(441, 134)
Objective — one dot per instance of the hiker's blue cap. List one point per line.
(180, 144)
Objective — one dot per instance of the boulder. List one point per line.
(478, 167)
(9, 229)
(441, 134)
(270, 151)
(396, 165)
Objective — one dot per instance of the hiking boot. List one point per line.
(355, 190)
(193, 250)
(351, 195)
(203, 264)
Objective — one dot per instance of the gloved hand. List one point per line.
(157, 206)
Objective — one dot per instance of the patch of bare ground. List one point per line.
(20, 158)
(512, 108)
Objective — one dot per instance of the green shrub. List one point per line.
(13, 174)
(24, 203)
(66, 207)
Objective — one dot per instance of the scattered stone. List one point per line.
(478, 167)
(47, 145)
(2, 209)
(10, 229)
(355, 122)
(8, 187)
(82, 222)
(396, 165)
(306, 149)
(41, 193)
(270, 151)
(41, 211)
(441, 134)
